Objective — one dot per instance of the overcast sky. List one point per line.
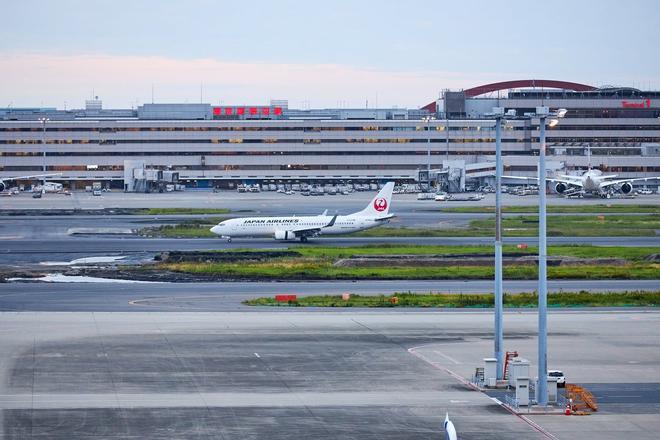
(314, 53)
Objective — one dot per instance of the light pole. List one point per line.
(428, 120)
(499, 301)
(542, 386)
(43, 145)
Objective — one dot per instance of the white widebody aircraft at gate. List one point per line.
(376, 213)
(593, 181)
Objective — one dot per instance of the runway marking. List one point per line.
(257, 355)
(217, 399)
(449, 358)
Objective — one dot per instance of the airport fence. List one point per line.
(511, 401)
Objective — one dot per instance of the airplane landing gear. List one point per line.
(303, 239)
(228, 239)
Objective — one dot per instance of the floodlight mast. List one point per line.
(499, 301)
(428, 120)
(542, 385)
(43, 146)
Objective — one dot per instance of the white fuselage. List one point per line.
(591, 180)
(269, 226)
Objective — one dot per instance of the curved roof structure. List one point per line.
(516, 84)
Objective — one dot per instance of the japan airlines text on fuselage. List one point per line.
(374, 214)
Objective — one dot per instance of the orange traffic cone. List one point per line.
(568, 409)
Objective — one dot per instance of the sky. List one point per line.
(316, 54)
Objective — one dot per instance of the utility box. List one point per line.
(522, 390)
(490, 372)
(552, 390)
(518, 367)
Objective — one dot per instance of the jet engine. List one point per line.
(2, 186)
(285, 235)
(560, 188)
(626, 188)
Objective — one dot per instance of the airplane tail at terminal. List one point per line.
(380, 205)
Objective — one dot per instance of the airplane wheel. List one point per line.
(229, 240)
(303, 239)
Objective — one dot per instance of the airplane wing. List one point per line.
(34, 176)
(386, 217)
(563, 180)
(622, 181)
(309, 232)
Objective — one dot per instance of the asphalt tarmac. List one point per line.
(213, 297)
(91, 375)
(278, 204)
(171, 361)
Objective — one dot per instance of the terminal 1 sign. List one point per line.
(645, 103)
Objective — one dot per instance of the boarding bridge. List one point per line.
(138, 177)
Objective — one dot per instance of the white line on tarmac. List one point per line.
(257, 355)
(449, 358)
(223, 400)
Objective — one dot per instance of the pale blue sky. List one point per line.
(393, 52)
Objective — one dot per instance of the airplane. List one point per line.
(376, 213)
(593, 181)
(4, 186)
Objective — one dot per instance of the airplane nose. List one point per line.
(216, 229)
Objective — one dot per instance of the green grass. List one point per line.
(560, 209)
(181, 211)
(310, 268)
(521, 300)
(193, 228)
(582, 251)
(318, 263)
(519, 226)
(527, 226)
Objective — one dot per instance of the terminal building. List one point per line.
(204, 145)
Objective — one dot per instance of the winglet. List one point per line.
(325, 213)
(332, 222)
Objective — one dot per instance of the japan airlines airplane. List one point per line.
(376, 213)
(4, 186)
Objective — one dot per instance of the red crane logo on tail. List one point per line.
(380, 204)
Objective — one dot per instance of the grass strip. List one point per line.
(314, 268)
(192, 228)
(441, 300)
(520, 226)
(527, 226)
(318, 263)
(581, 251)
(561, 209)
(181, 211)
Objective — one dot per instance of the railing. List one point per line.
(477, 381)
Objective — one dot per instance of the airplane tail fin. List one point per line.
(380, 205)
